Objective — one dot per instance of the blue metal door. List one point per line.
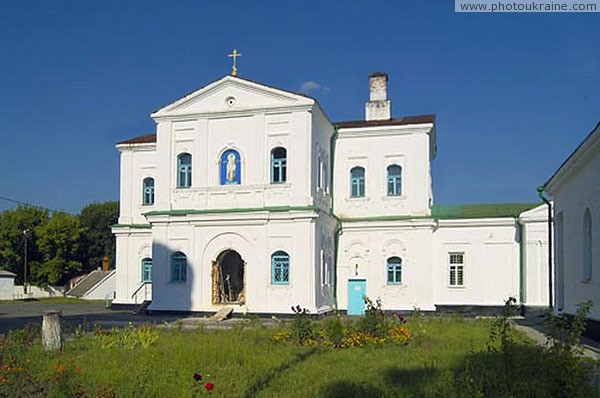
(357, 288)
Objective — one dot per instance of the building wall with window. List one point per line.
(249, 196)
(485, 252)
(365, 250)
(575, 188)
(373, 149)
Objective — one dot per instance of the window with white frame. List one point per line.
(357, 182)
(148, 191)
(280, 268)
(394, 180)
(147, 270)
(457, 269)
(394, 271)
(278, 165)
(184, 170)
(178, 268)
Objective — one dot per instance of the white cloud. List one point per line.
(309, 86)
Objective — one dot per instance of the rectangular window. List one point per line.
(457, 270)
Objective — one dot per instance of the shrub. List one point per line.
(302, 326)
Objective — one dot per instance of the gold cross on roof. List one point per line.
(234, 55)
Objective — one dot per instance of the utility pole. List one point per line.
(25, 233)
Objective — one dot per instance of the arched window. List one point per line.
(394, 270)
(178, 268)
(147, 270)
(184, 170)
(587, 246)
(148, 191)
(278, 165)
(231, 171)
(394, 180)
(280, 268)
(357, 182)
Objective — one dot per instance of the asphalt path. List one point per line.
(17, 314)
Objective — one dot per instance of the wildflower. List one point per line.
(78, 369)
(197, 376)
(209, 386)
(57, 379)
(59, 369)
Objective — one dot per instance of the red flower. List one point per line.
(197, 376)
(209, 386)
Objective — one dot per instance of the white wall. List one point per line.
(255, 239)
(133, 245)
(575, 188)
(491, 261)
(363, 252)
(375, 149)
(104, 290)
(137, 163)
(7, 288)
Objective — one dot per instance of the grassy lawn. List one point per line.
(52, 300)
(246, 362)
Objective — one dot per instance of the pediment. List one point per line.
(232, 94)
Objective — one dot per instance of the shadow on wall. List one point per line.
(182, 285)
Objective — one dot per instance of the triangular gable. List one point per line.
(232, 94)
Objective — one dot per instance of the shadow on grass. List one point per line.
(264, 381)
(348, 389)
(396, 380)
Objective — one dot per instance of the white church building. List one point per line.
(249, 196)
(575, 187)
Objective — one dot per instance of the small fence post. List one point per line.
(52, 338)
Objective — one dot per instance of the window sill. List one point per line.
(358, 198)
(394, 197)
(456, 287)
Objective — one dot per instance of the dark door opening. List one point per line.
(228, 278)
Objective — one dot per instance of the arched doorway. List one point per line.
(228, 279)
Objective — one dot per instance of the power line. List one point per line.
(32, 205)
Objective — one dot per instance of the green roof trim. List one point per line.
(140, 226)
(183, 212)
(491, 210)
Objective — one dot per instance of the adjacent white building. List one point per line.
(249, 196)
(575, 187)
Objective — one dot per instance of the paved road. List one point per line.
(15, 315)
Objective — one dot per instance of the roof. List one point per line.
(87, 283)
(143, 139)
(239, 78)
(491, 210)
(402, 121)
(4, 273)
(575, 153)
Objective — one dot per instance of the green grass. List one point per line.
(52, 300)
(245, 362)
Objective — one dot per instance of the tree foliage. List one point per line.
(13, 223)
(59, 246)
(58, 241)
(98, 241)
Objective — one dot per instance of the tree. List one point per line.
(58, 241)
(12, 224)
(98, 241)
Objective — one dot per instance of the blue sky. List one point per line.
(514, 94)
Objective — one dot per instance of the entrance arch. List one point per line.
(228, 278)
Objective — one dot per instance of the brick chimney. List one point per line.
(378, 107)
